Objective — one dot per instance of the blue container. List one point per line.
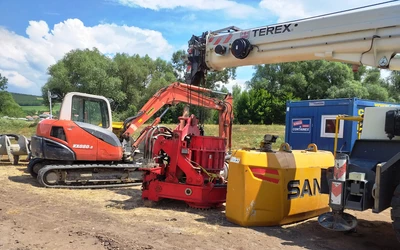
(313, 121)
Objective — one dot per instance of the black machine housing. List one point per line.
(379, 160)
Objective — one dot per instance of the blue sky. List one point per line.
(35, 34)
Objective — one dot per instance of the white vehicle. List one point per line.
(368, 37)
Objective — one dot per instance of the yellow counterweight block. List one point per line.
(276, 188)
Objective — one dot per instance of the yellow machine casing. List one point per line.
(276, 188)
(117, 127)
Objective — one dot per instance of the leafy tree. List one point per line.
(213, 80)
(373, 76)
(161, 75)
(395, 79)
(216, 79)
(377, 92)
(179, 64)
(273, 84)
(349, 90)
(306, 80)
(236, 90)
(224, 89)
(273, 77)
(322, 75)
(244, 111)
(86, 71)
(8, 106)
(259, 103)
(133, 72)
(376, 86)
(358, 75)
(278, 106)
(131, 80)
(140, 77)
(258, 106)
(236, 94)
(3, 82)
(394, 86)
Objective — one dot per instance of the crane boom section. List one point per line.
(369, 37)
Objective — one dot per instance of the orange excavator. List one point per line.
(79, 150)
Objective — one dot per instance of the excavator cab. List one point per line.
(87, 108)
(83, 132)
(80, 149)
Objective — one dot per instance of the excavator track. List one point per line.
(84, 176)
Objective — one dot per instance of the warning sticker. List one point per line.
(302, 125)
(336, 193)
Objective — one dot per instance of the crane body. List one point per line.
(369, 178)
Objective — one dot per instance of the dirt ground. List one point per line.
(33, 217)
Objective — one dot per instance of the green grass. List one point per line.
(250, 136)
(27, 100)
(37, 108)
(243, 136)
(8, 126)
(41, 108)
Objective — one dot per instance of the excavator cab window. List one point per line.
(88, 110)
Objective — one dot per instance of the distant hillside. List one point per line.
(27, 100)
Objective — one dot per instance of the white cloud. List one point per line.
(287, 10)
(189, 17)
(24, 60)
(16, 79)
(284, 9)
(232, 8)
(385, 73)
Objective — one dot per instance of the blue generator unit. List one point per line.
(314, 121)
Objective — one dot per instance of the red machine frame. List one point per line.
(183, 164)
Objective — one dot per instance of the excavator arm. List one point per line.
(183, 93)
(368, 37)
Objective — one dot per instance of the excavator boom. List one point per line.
(184, 93)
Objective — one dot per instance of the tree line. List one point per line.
(8, 106)
(130, 80)
(264, 102)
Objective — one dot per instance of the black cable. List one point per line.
(129, 119)
(372, 44)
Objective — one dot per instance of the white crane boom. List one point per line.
(367, 37)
